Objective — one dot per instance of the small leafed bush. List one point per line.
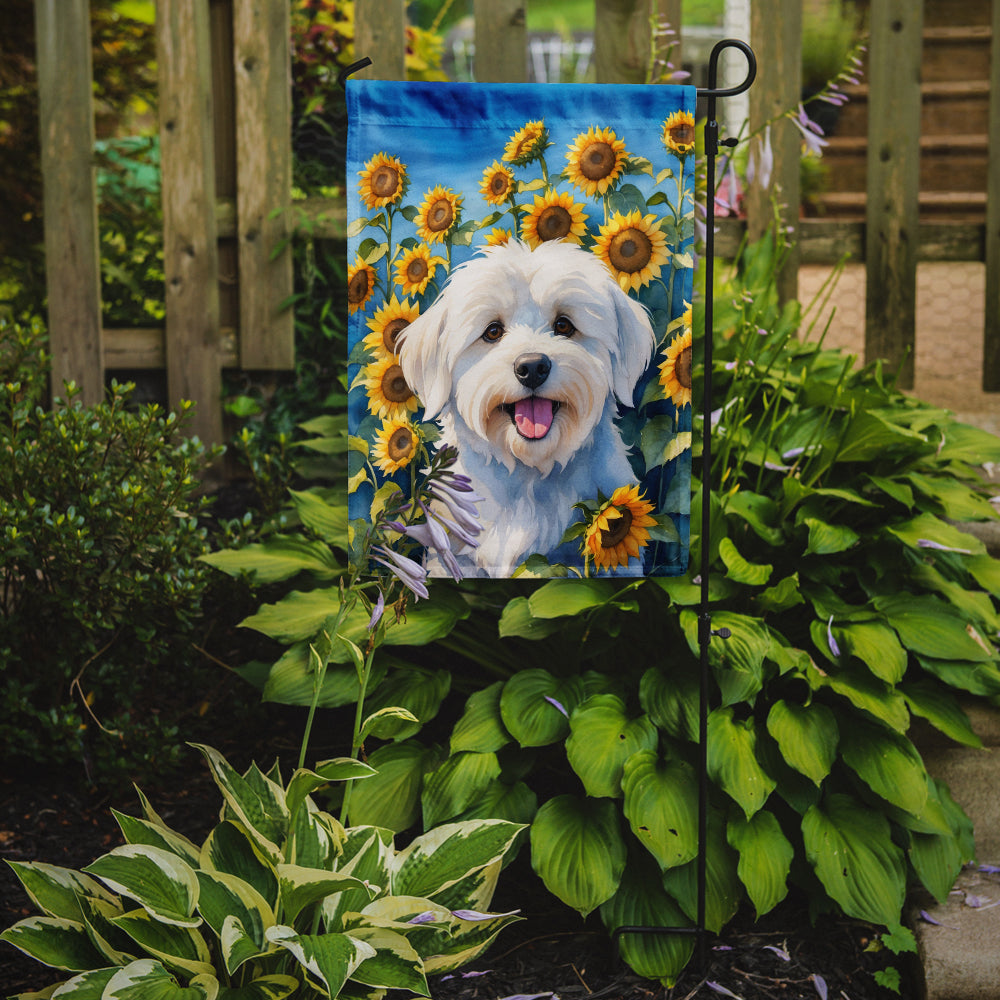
(99, 575)
(280, 899)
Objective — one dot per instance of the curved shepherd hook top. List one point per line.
(713, 68)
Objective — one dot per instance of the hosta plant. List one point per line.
(279, 900)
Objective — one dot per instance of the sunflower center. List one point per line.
(597, 161)
(417, 270)
(618, 530)
(385, 181)
(400, 444)
(391, 332)
(394, 386)
(358, 286)
(499, 185)
(682, 134)
(440, 215)
(554, 223)
(630, 250)
(682, 369)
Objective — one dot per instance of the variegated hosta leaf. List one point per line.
(535, 706)
(661, 805)
(86, 986)
(177, 947)
(481, 727)
(578, 851)
(475, 891)
(456, 784)
(395, 964)
(765, 858)
(54, 941)
(141, 831)
(225, 897)
(642, 902)
(602, 737)
(274, 987)
(158, 880)
(315, 838)
(116, 946)
(850, 847)
(367, 853)
(329, 959)
(732, 760)
(56, 891)
(304, 782)
(301, 887)
(230, 849)
(147, 979)
(468, 939)
(807, 736)
(441, 857)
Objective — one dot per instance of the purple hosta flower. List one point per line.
(719, 988)
(377, 612)
(558, 705)
(928, 543)
(831, 642)
(728, 194)
(780, 952)
(760, 165)
(465, 975)
(460, 502)
(432, 535)
(990, 869)
(812, 134)
(475, 915)
(820, 983)
(411, 574)
(427, 917)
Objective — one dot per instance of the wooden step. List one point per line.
(956, 53)
(944, 12)
(958, 206)
(945, 105)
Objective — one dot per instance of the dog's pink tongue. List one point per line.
(533, 416)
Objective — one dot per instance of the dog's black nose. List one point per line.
(531, 370)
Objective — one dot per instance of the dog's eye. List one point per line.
(493, 332)
(563, 327)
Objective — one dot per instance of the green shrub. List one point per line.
(101, 584)
(280, 899)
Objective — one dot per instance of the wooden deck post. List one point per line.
(190, 250)
(501, 41)
(380, 34)
(72, 254)
(621, 40)
(893, 183)
(776, 36)
(991, 332)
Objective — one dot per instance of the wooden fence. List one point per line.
(226, 161)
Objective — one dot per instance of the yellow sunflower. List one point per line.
(675, 372)
(497, 184)
(497, 237)
(389, 397)
(415, 269)
(395, 444)
(386, 326)
(678, 133)
(618, 531)
(360, 285)
(526, 144)
(633, 248)
(383, 181)
(596, 161)
(554, 217)
(438, 214)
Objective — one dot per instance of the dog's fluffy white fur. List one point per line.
(521, 358)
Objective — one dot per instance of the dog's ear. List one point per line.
(636, 343)
(422, 359)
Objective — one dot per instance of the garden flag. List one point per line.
(519, 286)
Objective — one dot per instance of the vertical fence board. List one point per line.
(668, 15)
(991, 332)
(501, 41)
(380, 34)
(893, 183)
(190, 253)
(72, 256)
(621, 40)
(261, 57)
(776, 34)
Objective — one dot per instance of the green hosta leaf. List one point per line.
(867, 693)
(723, 889)
(516, 803)
(438, 859)
(147, 979)
(937, 859)
(888, 763)
(876, 646)
(481, 728)
(828, 539)
(327, 520)
(274, 987)
(142, 831)
(661, 799)
(230, 849)
(941, 709)
(159, 881)
(976, 678)
(456, 784)
(330, 959)
(391, 798)
(807, 736)
(578, 851)
(301, 887)
(602, 738)
(758, 511)
(732, 760)
(986, 571)
(226, 898)
(928, 528)
(783, 595)
(957, 501)
(641, 901)
(395, 964)
(560, 598)
(279, 558)
(738, 661)
(54, 941)
(417, 690)
(850, 848)
(671, 700)
(738, 569)
(870, 436)
(292, 680)
(180, 948)
(932, 628)
(528, 710)
(965, 443)
(56, 891)
(517, 620)
(765, 858)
